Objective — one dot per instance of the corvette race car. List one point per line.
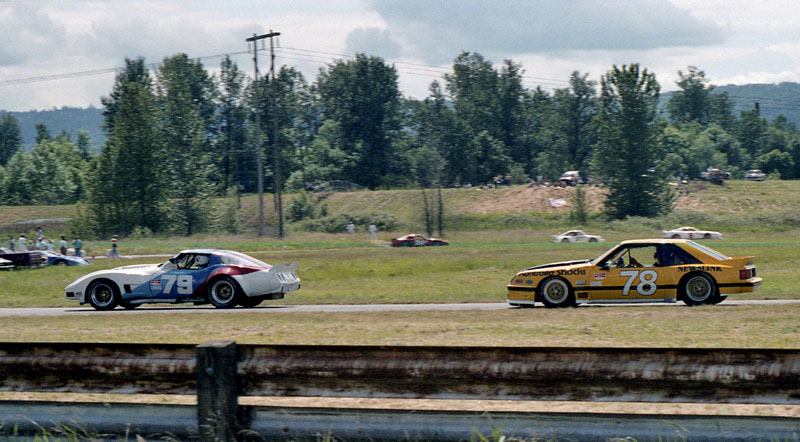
(220, 277)
(572, 236)
(650, 270)
(691, 233)
(57, 259)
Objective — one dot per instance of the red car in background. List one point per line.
(417, 240)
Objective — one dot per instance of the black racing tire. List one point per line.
(103, 294)
(676, 236)
(707, 236)
(555, 292)
(250, 302)
(698, 289)
(564, 240)
(718, 298)
(592, 239)
(60, 262)
(128, 306)
(223, 293)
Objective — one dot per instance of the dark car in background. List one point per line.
(417, 240)
(24, 260)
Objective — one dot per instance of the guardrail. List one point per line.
(219, 372)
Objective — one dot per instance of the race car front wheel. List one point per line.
(556, 292)
(103, 294)
(698, 288)
(223, 293)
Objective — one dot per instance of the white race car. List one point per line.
(691, 233)
(576, 236)
(220, 277)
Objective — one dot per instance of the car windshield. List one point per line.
(710, 252)
(241, 259)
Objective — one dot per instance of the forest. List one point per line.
(177, 135)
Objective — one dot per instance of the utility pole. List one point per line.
(259, 164)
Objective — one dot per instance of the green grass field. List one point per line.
(500, 236)
(474, 268)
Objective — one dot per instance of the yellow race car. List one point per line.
(646, 270)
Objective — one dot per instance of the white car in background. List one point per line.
(691, 233)
(576, 236)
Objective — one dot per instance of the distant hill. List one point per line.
(774, 99)
(70, 119)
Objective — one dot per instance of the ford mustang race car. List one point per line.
(220, 277)
(651, 270)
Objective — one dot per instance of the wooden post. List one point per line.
(217, 391)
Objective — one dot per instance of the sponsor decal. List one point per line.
(583, 295)
(601, 275)
(700, 268)
(517, 281)
(528, 281)
(595, 283)
(572, 272)
(580, 282)
(155, 285)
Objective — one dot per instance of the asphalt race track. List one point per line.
(334, 308)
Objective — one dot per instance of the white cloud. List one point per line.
(759, 78)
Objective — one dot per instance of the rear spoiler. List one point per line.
(284, 268)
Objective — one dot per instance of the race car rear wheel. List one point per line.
(103, 294)
(564, 240)
(676, 236)
(556, 292)
(698, 288)
(251, 301)
(223, 293)
(592, 239)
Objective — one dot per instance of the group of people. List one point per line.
(42, 243)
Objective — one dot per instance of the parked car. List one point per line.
(576, 236)
(56, 259)
(24, 260)
(646, 270)
(755, 175)
(417, 240)
(571, 178)
(6, 264)
(691, 233)
(221, 277)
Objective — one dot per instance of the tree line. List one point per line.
(177, 135)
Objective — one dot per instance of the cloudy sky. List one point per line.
(62, 53)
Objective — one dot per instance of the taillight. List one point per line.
(747, 273)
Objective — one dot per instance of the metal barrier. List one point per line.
(219, 372)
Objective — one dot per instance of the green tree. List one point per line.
(182, 94)
(628, 150)
(42, 133)
(126, 180)
(231, 144)
(10, 137)
(363, 97)
(574, 111)
(84, 144)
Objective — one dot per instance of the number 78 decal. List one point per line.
(647, 281)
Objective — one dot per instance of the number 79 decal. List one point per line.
(647, 281)
(184, 283)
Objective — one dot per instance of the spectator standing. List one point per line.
(39, 234)
(114, 251)
(11, 243)
(373, 232)
(351, 229)
(50, 245)
(78, 244)
(62, 244)
(22, 243)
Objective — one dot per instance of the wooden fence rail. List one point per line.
(219, 372)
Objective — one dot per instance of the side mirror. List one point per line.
(604, 266)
